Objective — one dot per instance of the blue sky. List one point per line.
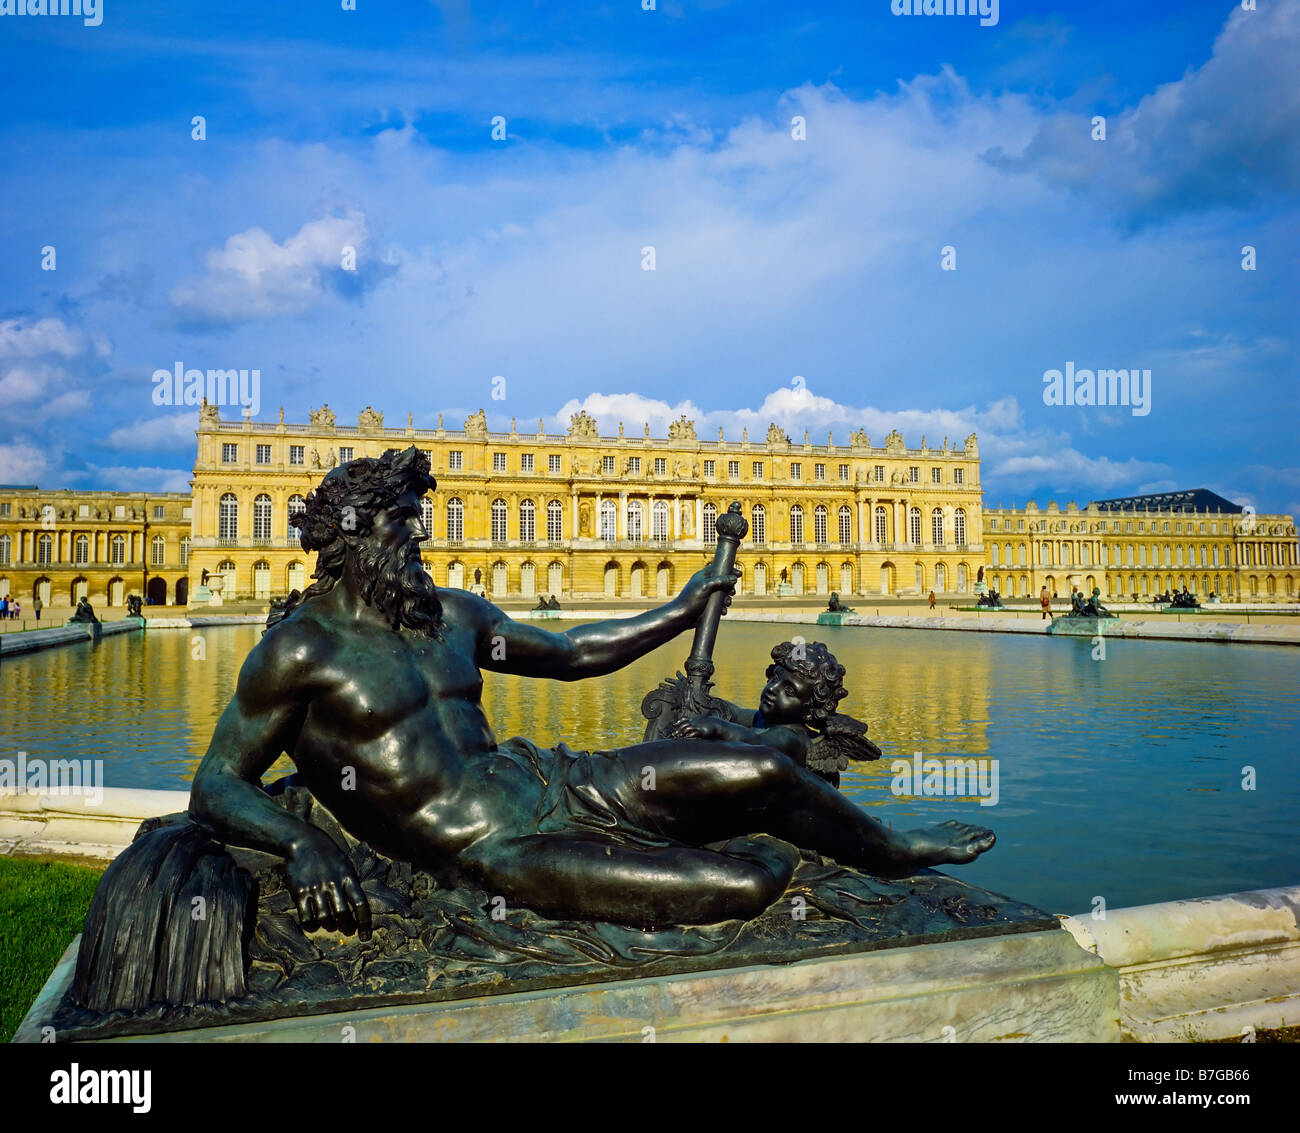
(775, 258)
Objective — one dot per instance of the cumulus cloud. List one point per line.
(161, 431)
(253, 277)
(1225, 134)
(23, 464)
(27, 338)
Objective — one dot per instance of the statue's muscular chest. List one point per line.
(385, 681)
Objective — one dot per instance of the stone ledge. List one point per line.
(1028, 987)
(75, 826)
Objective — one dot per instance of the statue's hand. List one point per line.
(325, 888)
(703, 584)
(701, 727)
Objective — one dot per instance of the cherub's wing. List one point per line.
(843, 739)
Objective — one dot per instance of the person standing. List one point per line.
(17, 611)
(1045, 602)
(38, 606)
(932, 599)
(4, 605)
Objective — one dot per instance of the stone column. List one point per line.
(620, 522)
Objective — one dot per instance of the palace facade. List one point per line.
(1135, 547)
(64, 544)
(583, 515)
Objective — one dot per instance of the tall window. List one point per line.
(498, 462)
(157, 551)
(936, 526)
(426, 515)
(498, 521)
(296, 505)
(455, 520)
(710, 468)
(262, 517)
(185, 550)
(228, 517)
(158, 511)
(796, 524)
(959, 527)
(609, 520)
(844, 471)
(710, 523)
(6, 550)
(555, 521)
(914, 527)
(229, 454)
(758, 523)
(914, 475)
(819, 524)
(796, 472)
(455, 460)
(634, 465)
(528, 521)
(81, 553)
(45, 550)
(659, 518)
(846, 524)
(345, 454)
(880, 473)
(553, 462)
(117, 551)
(263, 454)
(525, 462)
(958, 476)
(758, 470)
(297, 454)
(819, 471)
(733, 469)
(661, 466)
(882, 525)
(634, 519)
(936, 475)
(607, 464)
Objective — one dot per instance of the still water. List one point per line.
(1120, 778)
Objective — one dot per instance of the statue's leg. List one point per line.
(704, 791)
(586, 877)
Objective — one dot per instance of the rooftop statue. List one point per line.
(371, 682)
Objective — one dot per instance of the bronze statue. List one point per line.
(83, 612)
(376, 673)
(133, 604)
(835, 606)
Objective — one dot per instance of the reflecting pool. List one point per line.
(1120, 778)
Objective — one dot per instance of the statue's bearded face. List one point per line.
(390, 572)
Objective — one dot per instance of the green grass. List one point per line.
(42, 906)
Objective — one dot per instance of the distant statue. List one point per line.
(1093, 606)
(553, 603)
(324, 416)
(584, 521)
(979, 577)
(315, 459)
(476, 425)
(582, 424)
(990, 600)
(203, 578)
(133, 604)
(776, 435)
(83, 612)
(1185, 600)
(835, 606)
(681, 429)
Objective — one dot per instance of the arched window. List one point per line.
(296, 504)
(455, 520)
(426, 515)
(634, 520)
(710, 523)
(882, 525)
(819, 524)
(959, 526)
(758, 524)
(659, 520)
(846, 524)
(994, 557)
(608, 521)
(262, 517)
(796, 524)
(45, 550)
(936, 527)
(914, 527)
(117, 551)
(528, 521)
(81, 553)
(498, 520)
(228, 517)
(1023, 555)
(157, 551)
(554, 521)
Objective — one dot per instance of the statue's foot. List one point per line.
(949, 843)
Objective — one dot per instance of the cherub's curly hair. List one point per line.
(817, 664)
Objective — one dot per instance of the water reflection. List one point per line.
(1121, 778)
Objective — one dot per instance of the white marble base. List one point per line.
(1026, 987)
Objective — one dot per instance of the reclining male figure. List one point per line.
(371, 683)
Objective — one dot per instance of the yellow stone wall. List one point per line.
(42, 549)
(588, 476)
(1248, 558)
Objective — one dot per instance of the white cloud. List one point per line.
(25, 338)
(23, 464)
(168, 430)
(253, 277)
